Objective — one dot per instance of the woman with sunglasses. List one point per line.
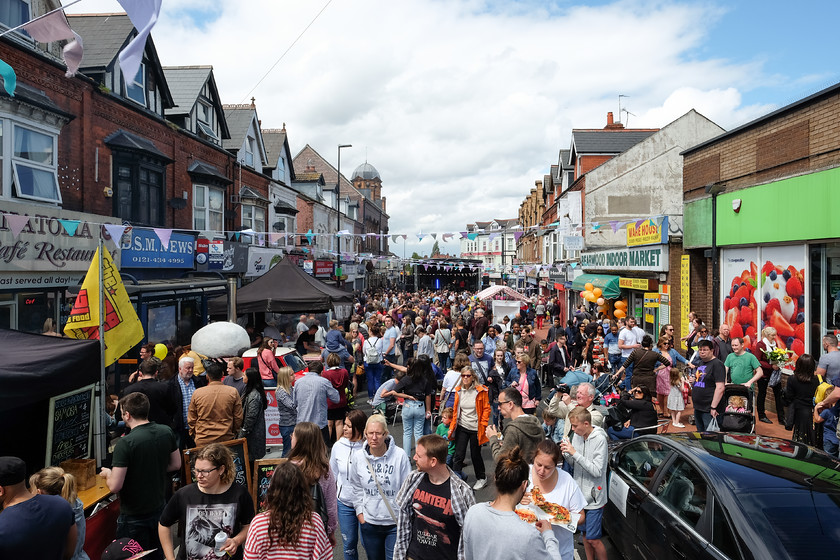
(214, 503)
(526, 380)
(639, 401)
(469, 422)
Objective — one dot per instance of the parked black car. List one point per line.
(723, 495)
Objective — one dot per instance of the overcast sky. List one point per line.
(462, 104)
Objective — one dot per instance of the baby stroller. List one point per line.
(738, 412)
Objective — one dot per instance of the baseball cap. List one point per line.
(125, 549)
(12, 471)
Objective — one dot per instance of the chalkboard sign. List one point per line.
(70, 426)
(263, 471)
(239, 448)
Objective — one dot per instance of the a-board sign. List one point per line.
(263, 471)
(239, 447)
(70, 426)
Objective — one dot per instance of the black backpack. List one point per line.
(319, 503)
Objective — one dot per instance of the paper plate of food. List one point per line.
(540, 508)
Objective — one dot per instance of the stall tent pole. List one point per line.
(100, 443)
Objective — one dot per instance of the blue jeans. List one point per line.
(494, 413)
(388, 372)
(143, 529)
(615, 362)
(286, 434)
(269, 383)
(628, 376)
(379, 540)
(413, 418)
(349, 524)
(621, 433)
(829, 447)
(702, 420)
(443, 358)
(373, 373)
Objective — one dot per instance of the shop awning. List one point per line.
(607, 282)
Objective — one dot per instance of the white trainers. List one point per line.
(678, 425)
(480, 483)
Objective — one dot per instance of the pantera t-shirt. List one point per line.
(200, 516)
(435, 532)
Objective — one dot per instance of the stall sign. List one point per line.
(308, 266)
(648, 232)
(70, 426)
(653, 259)
(44, 243)
(651, 299)
(141, 248)
(641, 284)
(685, 298)
(323, 269)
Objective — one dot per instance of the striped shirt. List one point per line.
(312, 544)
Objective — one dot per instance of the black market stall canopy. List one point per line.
(36, 367)
(36, 371)
(609, 284)
(286, 288)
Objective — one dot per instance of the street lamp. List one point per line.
(715, 189)
(337, 204)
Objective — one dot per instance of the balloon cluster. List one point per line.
(595, 295)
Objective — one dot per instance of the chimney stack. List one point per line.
(611, 124)
(609, 118)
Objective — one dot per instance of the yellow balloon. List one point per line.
(619, 314)
(589, 287)
(597, 292)
(600, 301)
(590, 297)
(585, 294)
(161, 351)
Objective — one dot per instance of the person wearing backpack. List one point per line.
(372, 351)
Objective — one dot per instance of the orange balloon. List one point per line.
(589, 287)
(619, 314)
(597, 292)
(620, 305)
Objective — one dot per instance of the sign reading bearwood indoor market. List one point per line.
(653, 259)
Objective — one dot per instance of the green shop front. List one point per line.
(779, 257)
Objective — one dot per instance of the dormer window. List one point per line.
(248, 158)
(204, 112)
(14, 13)
(136, 90)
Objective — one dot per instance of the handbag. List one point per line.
(775, 378)
(379, 489)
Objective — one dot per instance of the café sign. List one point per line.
(652, 259)
(648, 232)
(44, 253)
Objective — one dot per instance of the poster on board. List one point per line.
(239, 447)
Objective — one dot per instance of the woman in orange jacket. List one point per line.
(469, 421)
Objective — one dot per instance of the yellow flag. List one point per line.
(123, 329)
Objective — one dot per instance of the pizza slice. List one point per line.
(526, 515)
(558, 513)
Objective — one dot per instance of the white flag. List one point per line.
(143, 15)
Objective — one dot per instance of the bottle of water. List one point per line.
(221, 538)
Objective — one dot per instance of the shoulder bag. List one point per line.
(379, 488)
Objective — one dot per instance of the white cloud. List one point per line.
(460, 104)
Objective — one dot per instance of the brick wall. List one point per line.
(801, 139)
(84, 161)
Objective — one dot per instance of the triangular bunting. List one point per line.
(115, 232)
(16, 223)
(70, 226)
(9, 78)
(518, 234)
(164, 235)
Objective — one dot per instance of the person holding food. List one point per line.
(492, 530)
(555, 492)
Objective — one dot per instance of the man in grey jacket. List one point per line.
(311, 394)
(588, 454)
(524, 430)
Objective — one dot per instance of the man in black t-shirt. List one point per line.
(709, 383)
(161, 406)
(432, 506)
(305, 343)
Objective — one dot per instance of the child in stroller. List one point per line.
(738, 414)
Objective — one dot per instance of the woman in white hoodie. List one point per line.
(344, 455)
(378, 476)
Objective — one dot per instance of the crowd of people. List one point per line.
(460, 379)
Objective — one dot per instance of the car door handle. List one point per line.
(676, 550)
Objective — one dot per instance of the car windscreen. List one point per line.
(804, 521)
(294, 361)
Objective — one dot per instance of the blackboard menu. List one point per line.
(70, 426)
(263, 471)
(239, 448)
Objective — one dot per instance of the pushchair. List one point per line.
(738, 412)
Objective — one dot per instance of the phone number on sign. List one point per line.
(156, 260)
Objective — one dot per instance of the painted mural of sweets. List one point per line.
(772, 296)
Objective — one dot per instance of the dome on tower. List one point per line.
(365, 171)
